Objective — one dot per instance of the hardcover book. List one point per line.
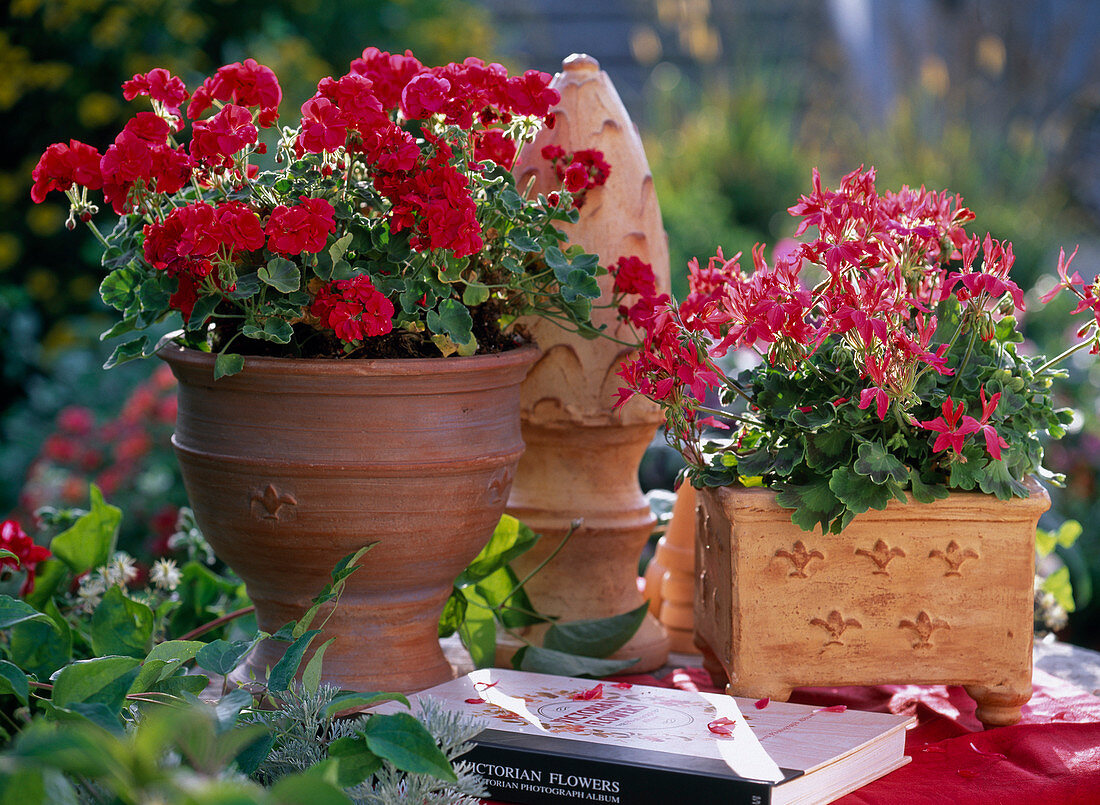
(552, 739)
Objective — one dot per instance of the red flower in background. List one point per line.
(27, 553)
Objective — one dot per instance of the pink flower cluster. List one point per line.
(886, 263)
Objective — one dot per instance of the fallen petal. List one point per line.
(475, 701)
(722, 726)
(591, 693)
(760, 704)
(836, 708)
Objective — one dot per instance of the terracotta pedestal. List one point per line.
(937, 593)
(670, 576)
(582, 458)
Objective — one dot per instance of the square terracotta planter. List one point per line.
(937, 593)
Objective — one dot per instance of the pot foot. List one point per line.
(999, 705)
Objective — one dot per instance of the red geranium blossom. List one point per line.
(354, 309)
(27, 553)
(62, 166)
(160, 85)
(305, 227)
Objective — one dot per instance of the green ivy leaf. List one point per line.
(14, 682)
(282, 674)
(222, 656)
(90, 541)
(547, 661)
(595, 637)
(407, 744)
(280, 274)
(478, 630)
(311, 676)
(1058, 585)
(353, 700)
(14, 611)
(40, 647)
(103, 680)
(121, 626)
(876, 463)
(453, 613)
(355, 761)
(510, 539)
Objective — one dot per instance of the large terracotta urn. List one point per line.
(293, 464)
(920, 593)
(582, 457)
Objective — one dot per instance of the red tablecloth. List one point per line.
(1052, 756)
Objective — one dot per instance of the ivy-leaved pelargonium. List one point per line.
(889, 360)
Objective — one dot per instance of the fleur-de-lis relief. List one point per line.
(954, 556)
(268, 504)
(500, 484)
(924, 626)
(799, 557)
(881, 555)
(836, 625)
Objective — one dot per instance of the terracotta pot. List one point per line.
(293, 464)
(937, 593)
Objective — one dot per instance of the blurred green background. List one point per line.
(736, 102)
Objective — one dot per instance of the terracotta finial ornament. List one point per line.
(582, 457)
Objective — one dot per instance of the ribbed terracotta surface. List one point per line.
(293, 464)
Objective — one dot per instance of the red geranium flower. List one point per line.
(27, 553)
(305, 227)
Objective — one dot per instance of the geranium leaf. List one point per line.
(452, 319)
(119, 288)
(474, 294)
(547, 661)
(127, 352)
(877, 464)
(579, 283)
(407, 744)
(595, 637)
(13, 611)
(857, 492)
(226, 364)
(524, 242)
(925, 493)
(280, 274)
(121, 626)
(200, 314)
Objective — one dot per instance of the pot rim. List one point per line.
(172, 352)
